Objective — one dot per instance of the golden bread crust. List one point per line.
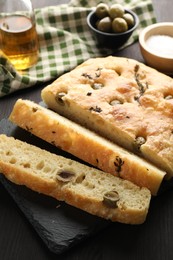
(123, 100)
(76, 184)
(85, 144)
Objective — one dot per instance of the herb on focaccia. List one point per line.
(119, 163)
(142, 86)
(96, 109)
(97, 74)
(89, 93)
(86, 75)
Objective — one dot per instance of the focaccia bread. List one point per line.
(85, 144)
(89, 189)
(122, 100)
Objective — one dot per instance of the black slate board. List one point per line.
(59, 225)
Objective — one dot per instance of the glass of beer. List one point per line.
(18, 36)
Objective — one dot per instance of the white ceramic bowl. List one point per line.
(156, 45)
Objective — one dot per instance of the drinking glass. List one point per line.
(18, 36)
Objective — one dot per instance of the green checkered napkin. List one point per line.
(66, 41)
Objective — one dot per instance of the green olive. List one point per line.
(105, 24)
(102, 10)
(97, 86)
(129, 19)
(65, 176)
(111, 198)
(116, 10)
(119, 25)
(59, 98)
(115, 102)
(138, 142)
(168, 97)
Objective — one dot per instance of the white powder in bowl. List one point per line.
(161, 45)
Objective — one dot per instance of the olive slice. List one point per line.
(169, 97)
(97, 86)
(115, 102)
(140, 140)
(111, 198)
(59, 98)
(65, 176)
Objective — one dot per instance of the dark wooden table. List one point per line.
(152, 240)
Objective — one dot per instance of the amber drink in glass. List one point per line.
(18, 35)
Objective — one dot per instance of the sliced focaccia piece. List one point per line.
(85, 144)
(86, 188)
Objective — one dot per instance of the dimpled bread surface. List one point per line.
(123, 100)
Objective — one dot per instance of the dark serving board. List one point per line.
(59, 225)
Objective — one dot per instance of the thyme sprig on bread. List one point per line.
(142, 86)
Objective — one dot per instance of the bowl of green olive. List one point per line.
(112, 25)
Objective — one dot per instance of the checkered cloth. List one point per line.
(66, 41)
